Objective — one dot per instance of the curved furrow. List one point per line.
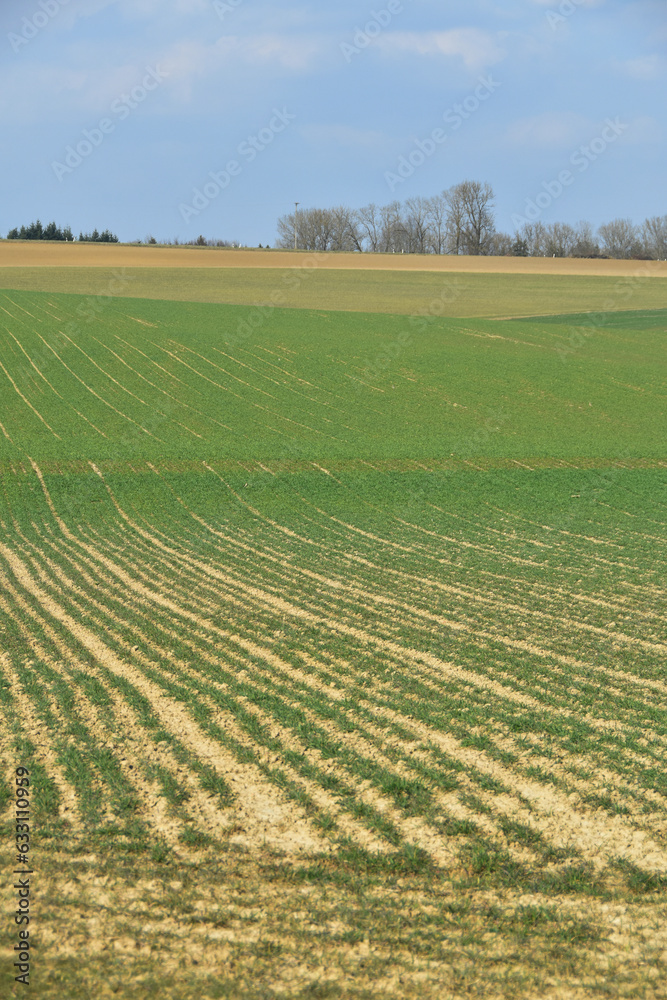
(34, 728)
(261, 806)
(399, 615)
(283, 665)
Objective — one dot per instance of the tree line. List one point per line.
(36, 231)
(461, 220)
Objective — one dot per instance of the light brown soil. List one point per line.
(36, 254)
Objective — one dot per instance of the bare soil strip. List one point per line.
(467, 625)
(324, 800)
(37, 732)
(236, 584)
(586, 668)
(205, 813)
(537, 794)
(265, 814)
(17, 253)
(584, 835)
(154, 809)
(598, 838)
(304, 678)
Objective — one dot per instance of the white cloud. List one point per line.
(297, 54)
(551, 130)
(36, 92)
(478, 49)
(642, 131)
(648, 68)
(86, 76)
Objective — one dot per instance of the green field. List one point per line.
(359, 290)
(334, 638)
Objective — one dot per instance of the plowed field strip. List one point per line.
(552, 812)
(167, 654)
(346, 730)
(519, 610)
(620, 694)
(274, 739)
(73, 721)
(137, 745)
(537, 796)
(455, 593)
(504, 772)
(356, 694)
(171, 582)
(140, 743)
(259, 803)
(349, 535)
(425, 553)
(152, 807)
(34, 728)
(565, 544)
(366, 540)
(201, 698)
(355, 763)
(576, 667)
(291, 573)
(213, 818)
(95, 784)
(586, 775)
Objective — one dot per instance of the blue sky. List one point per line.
(318, 103)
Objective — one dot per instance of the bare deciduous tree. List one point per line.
(437, 214)
(470, 217)
(500, 245)
(369, 227)
(393, 234)
(585, 244)
(417, 224)
(286, 226)
(461, 221)
(454, 221)
(560, 239)
(345, 234)
(317, 229)
(654, 237)
(620, 238)
(532, 235)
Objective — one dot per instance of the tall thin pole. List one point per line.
(296, 205)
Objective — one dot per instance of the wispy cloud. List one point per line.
(649, 67)
(477, 49)
(550, 130)
(644, 130)
(354, 119)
